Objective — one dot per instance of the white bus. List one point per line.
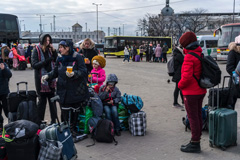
(208, 43)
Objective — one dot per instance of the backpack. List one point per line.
(6, 52)
(211, 73)
(133, 103)
(103, 132)
(170, 67)
(204, 120)
(27, 110)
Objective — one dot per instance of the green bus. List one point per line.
(114, 45)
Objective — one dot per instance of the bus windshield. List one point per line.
(227, 35)
(111, 43)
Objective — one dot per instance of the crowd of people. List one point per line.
(72, 88)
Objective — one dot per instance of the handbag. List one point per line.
(10, 54)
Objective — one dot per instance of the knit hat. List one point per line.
(100, 60)
(95, 62)
(187, 38)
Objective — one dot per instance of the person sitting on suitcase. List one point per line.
(43, 61)
(193, 94)
(98, 63)
(111, 96)
(5, 75)
(72, 84)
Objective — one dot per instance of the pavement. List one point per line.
(165, 131)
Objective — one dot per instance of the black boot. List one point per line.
(191, 147)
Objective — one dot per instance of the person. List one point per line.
(177, 61)
(126, 54)
(232, 62)
(164, 53)
(134, 52)
(111, 96)
(15, 56)
(43, 60)
(72, 84)
(98, 64)
(5, 50)
(141, 50)
(157, 52)
(5, 75)
(29, 52)
(88, 51)
(21, 51)
(193, 94)
(149, 52)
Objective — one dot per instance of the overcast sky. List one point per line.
(112, 13)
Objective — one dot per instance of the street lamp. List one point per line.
(40, 15)
(233, 9)
(97, 16)
(123, 28)
(21, 24)
(44, 27)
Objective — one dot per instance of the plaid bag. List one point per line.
(49, 150)
(138, 123)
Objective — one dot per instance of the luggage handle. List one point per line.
(53, 99)
(224, 81)
(22, 82)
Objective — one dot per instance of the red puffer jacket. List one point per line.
(191, 65)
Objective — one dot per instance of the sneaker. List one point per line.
(177, 106)
(123, 62)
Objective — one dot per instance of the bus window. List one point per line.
(121, 42)
(211, 43)
(201, 43)
(111, 43)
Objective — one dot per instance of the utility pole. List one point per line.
(119, 31)
(44, 27)
(233, 9)
(51, 26)
(86, 26)
(40, 15)
(21, 24)
(97, 17)
(123, 29)
(108, 31)
(24, 27)
(54, 25)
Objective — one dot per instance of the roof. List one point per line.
(231, 24)
(77, 25)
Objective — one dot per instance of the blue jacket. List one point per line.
(5, 75)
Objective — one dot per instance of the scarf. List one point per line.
(47, 85)
(65, 59)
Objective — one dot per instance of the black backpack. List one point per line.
(104, 132)
(6, 52)
(211, 73)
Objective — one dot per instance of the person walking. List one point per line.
(141, 50)
(164, 53)
(43, 61)
(193, 94)
(72, 84)
(178, 57)
(126, 54)
(29, 52)
(5, 75)
(157, 52)
(88, 51)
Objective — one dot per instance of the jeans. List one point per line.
(112, 115)
(157, 59)
(193, 105)
(126, 57)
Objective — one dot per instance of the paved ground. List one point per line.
(165, 131)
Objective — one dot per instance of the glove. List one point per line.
(69, 74)
(44, 79)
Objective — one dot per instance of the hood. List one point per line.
(3, 45)
(92, 44)
(158, 45)
(192, 45)
(42, 36)
(19, 46)
(233, 46)
(112, 78)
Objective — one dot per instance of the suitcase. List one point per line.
(23, 149)
(225, 95)
(15, 98)
(137, 123)
(222, 127)
(22, 65)
(137, 58)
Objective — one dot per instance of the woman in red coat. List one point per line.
(193, 94)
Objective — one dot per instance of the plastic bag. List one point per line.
(88, 115)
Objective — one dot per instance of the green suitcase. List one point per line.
(223, 128)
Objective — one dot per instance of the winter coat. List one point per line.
(233, 58)
(149, 50)
(15, 53)
(135, 52)
(89, 53)
(71, 90)
(113, 94)
(38, 65)
(21, 50)
(126, 51)
(5, 75)
(165, 49)
(158, 51)
(178, 61)
(191, 65)
(2, 51)
(29, 51)
(100, 78)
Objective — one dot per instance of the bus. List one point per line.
(114, 45)
(9, 29)
(227, 33)
(208, 43)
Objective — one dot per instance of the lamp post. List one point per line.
(40, 15)
(44, 27)
(233, 9)
(21, 24)
(123, 28)
(97, 16)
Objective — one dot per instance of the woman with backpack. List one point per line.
(5, 50)
(193, 94)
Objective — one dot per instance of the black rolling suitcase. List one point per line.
(22, 65)
(15, 98)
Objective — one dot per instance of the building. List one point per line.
(76, 34)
